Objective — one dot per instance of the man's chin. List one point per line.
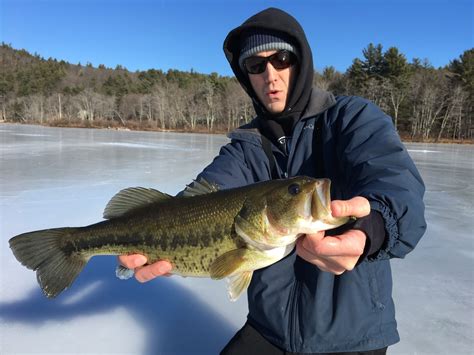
(275, 107)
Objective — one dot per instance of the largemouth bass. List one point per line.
(207, 232)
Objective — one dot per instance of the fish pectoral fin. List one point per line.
(237, 261)
(240, 260)
(238, 283)
(228, 263)
(238, 265)
(130, 199)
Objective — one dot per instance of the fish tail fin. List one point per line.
(44, 251)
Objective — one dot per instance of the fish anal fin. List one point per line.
(238, 283)
(131, 199)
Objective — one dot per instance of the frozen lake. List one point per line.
(52, 177)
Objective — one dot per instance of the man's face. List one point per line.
(272, 85)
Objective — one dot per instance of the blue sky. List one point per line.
(185, 34)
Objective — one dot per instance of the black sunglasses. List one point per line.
(279, 60)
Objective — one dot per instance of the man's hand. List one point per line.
(148, 272)
(338, 253)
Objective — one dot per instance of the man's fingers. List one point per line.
(333, 264)
(310, 241)
(149, 272)
(355, 207)
(328, 266)
(321, 263)
(350, 243)
(132, 261)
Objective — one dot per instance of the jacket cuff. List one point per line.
(373, 227)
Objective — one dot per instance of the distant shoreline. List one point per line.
(203, 130)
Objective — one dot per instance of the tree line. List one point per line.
(426, 103)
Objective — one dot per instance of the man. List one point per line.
(333, 293)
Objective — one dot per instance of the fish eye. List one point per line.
(294, 189)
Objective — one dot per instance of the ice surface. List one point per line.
(53, 177)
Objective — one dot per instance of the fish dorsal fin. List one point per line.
(130, 199)
(200, 187)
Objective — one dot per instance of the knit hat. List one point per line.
(260, 40)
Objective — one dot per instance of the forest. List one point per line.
(425, 103)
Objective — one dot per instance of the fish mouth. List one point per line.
(321, 199)
(321, 207)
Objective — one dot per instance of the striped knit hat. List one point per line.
(259, 40)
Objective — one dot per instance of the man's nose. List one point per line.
(269, 73)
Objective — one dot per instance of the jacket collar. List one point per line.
(319, 102)
(248, 133)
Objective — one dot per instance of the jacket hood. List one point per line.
(275, 20)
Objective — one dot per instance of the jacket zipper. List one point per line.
(293, 315)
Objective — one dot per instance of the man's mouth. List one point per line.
(272, 93)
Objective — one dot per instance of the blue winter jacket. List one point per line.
(292, 303)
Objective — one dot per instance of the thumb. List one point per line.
(355, 207)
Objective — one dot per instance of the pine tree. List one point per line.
(464, 70)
